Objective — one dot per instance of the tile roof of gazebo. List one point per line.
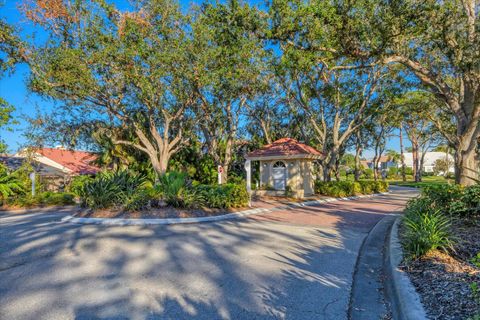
(285, 148)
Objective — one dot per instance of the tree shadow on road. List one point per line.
(238, 269)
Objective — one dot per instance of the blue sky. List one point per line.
(13, 86)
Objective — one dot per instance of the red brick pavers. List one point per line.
(360, 214)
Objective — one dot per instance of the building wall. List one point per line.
(299, 175)
(429, 162)
(308, 178)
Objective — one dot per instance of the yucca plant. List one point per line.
(425, 231)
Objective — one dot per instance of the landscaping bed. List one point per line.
(444, 281)
(441, 237)
(157, 213)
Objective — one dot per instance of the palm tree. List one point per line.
(393, 156)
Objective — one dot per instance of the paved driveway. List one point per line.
(288, 264)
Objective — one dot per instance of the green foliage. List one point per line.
(392, 173)
(409, 172)
(469, 203)
(76, 185)
(426, 229)
(368, 173)
(289, 192)
(10, 184)
(177, 192)
(118, 189)
(43, 199)
(475, 289)
(442, 195)
(171, 183)
(225, 195)
(476, 260)
(349, 188)
(189, 198)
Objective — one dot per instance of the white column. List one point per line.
(248, 169)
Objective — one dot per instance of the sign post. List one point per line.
(220, 171)
(32, 178)
(249, 181)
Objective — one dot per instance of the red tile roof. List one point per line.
(77, 161)
(285, 147)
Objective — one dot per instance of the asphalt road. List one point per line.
(288, 264)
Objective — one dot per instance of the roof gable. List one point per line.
(78, 162)
(286, 147)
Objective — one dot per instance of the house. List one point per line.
(54, 166)
(429, 160)
(286, 165)
(383, 163)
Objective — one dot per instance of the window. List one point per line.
(279, 164)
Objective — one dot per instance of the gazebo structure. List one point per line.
(285, 165)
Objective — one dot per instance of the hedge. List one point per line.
(349, 188)
(225, 195)
(43, 199)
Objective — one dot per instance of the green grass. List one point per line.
(426, 182)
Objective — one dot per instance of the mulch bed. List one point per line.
(157, 213)
(443, 280)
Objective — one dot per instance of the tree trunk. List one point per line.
(327, 173)
(420, 167)
(415, 161)
(375, 166)
(402, 157)
(337, 170)
(328, 167)
(358, 152)
(466, 166)
(159, 163)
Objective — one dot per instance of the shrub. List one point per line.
(349, 188)
(368, 173)
(171, 183)
(113, 189)
(225, 195)
(392, 172)
(442, 195)
(469, 203)
(366, 187)
(177, 192)
(100, 193)
(426, 229)
(57, 198)
(43, 199)
(77, 184)
(10, 185)
(186, 198)
(379, 186)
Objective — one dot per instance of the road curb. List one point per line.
(405, 301)
(368, 274)
(228, 216)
